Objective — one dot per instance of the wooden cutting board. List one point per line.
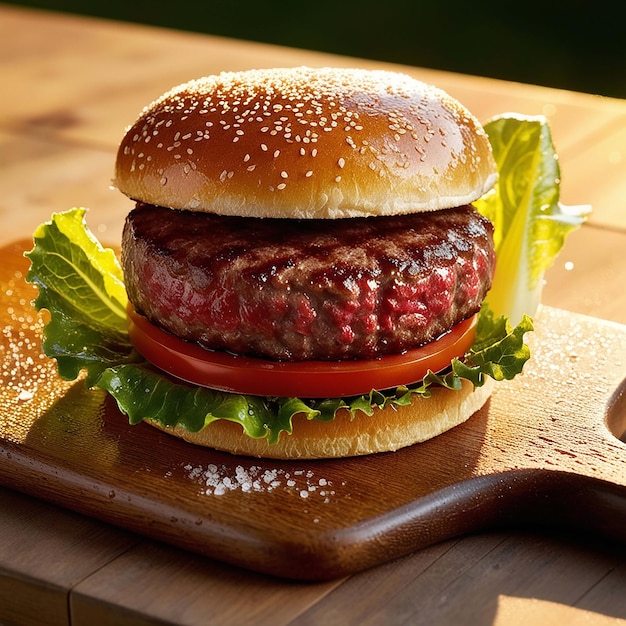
(545, 450)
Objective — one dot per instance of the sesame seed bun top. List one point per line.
(306, 143)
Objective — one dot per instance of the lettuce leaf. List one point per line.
(530, 222)
(80, 285)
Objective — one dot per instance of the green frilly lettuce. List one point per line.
(81, 284)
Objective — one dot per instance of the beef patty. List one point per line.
(307, 289)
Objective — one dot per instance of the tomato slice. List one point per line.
(302, 379)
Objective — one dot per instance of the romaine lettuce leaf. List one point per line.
(530, 222)
(81, 284)
(67, 264)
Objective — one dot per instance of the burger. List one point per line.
(303, 255)
(304, 216)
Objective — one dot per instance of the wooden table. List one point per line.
(69, 87)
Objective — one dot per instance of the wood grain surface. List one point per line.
(70, 86)
(545, 450)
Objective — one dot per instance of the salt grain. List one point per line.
(218, 480)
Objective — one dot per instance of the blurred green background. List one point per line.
(576, 44)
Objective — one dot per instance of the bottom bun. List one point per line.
(384, 431)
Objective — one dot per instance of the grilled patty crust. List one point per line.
(307, 289)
